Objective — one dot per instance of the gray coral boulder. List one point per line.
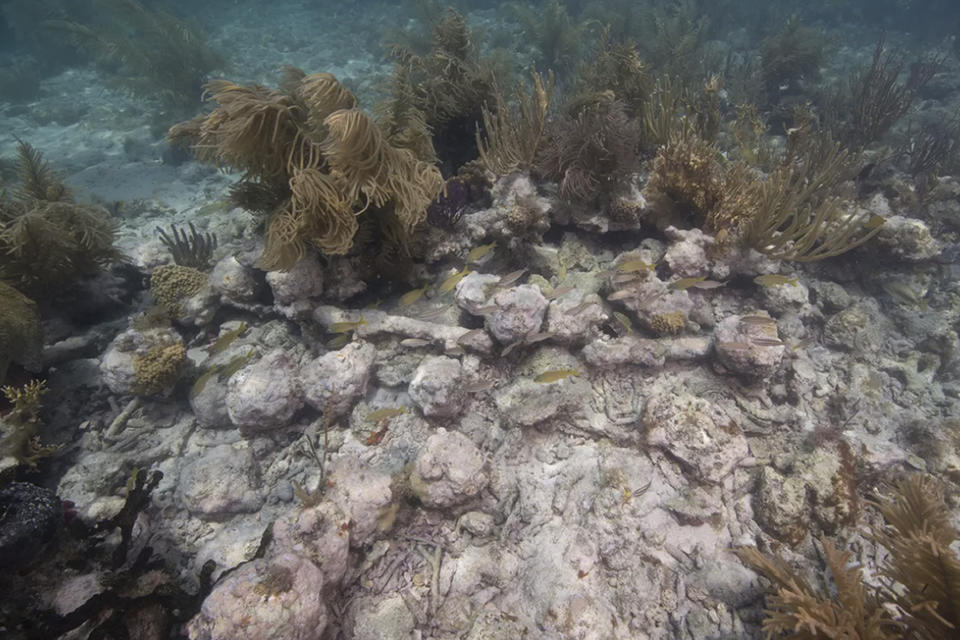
(449, 471)
(437, 386)
(333, 382)
(264, 600)
(265, 394)
(699, 435)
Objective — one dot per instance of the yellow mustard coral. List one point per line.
(670, 323)
(157, 370)
(172, 283)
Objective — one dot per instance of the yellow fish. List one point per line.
(556, 374)
(478, 252)
(452, 281)
(685, 283)
(340, 341)
(385, 414)
(345, 327)
(633, 266)
(775, 280)
(226, 339)
(624, 320)
(410, 297)
(875, 222)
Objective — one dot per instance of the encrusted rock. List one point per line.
(437, 386)
(449, 470)
(304, 280)
(382, 618)
(525, 403)
(687, 256)
(30, 518)
(780, 506)
(234, 282)
(365, 497)
(221, 482)
(520, 311)
(472, 291)
(317, 533)
(859, 328)
(128, 367)
(265, 394)
(333, 382)
(629, 349)
(575, 321)
(907, 239)
(478, 523)
(263, 600)
(750, 349)
(698, 434)
(782, 298)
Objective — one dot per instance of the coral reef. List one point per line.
(326, 163)
(47, 241)
(919, 575)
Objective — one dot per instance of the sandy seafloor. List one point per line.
(603, 506)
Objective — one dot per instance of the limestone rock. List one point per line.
(221, 482)
(263, 600)
(699, 435)
(265, 395)
(436, 386)
(333, 382)
(449, 470)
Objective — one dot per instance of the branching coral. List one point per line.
(592, 149)
(312, 160)
(448, 86)
(920, 599)
(193, 250)
(790, 214)
(21, 338)
(876, 97)
(18, 428)
(47, 241)
(513, 137)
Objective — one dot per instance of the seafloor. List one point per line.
(487, 462)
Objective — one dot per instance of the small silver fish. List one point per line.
(622, 294)
(479, 386)
(413, 343)
(580, 307)
(557, 292)
(511, 277)
(510, 347)
(708, 284)
(767, 342)
(490, 308)
(470, 335)
(455, 352)
(432, 314)
(623, 278)
(757, 321)
(539, 337)
(733, 346)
